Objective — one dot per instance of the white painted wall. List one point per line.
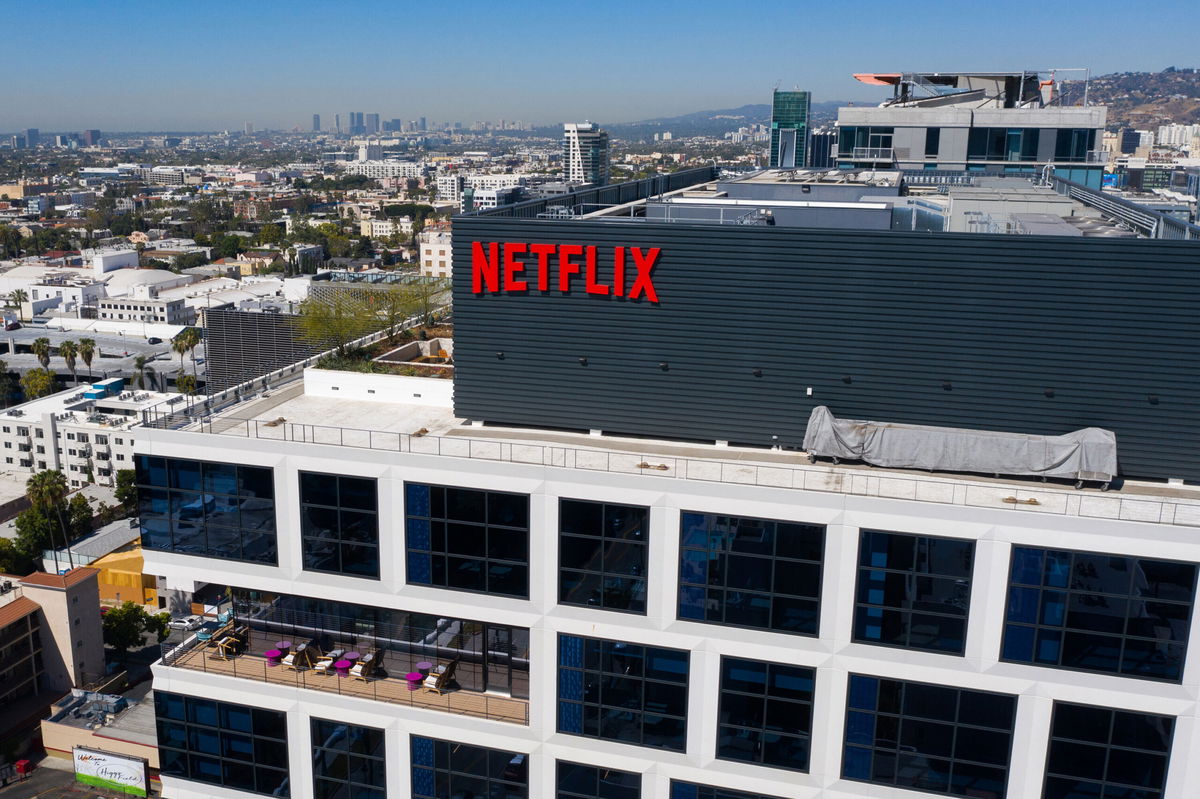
(428, 391)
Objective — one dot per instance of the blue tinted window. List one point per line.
(221, 743)
(602, 555)
(1098, 751)
(765, 713)
(214, 510)
(467, 540)
(347, 761)
(692, 790)
(580, 781)
(1097, 612)
(747, 572)
(450, 770)
(928, 737)
(913, 591)
(339, 525)
(622, 692)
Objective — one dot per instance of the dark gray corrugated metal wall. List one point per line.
(1104, 324)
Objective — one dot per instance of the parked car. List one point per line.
(154, 340)
(186, 622)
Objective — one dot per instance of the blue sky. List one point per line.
(192, 65)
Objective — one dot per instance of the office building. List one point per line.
(337, 124)
(370, 152)
(789, 129)
(90, 138)
(585, 153)
(599, 561)
(371, 124)
(822, 148)
(357, 124)
(386, 169)
(32, 137)
(316, 123)
(1002, 123)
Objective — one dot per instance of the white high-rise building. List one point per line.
(585, 153)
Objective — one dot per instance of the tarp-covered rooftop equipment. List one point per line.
(1088, 454)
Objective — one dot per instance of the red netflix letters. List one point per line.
(497, 267)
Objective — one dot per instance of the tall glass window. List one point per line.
(913, 591)
(348, 761)
(933, 140)
(1003, 144)
(747, 572)
(468, 540)
(1096, 612)
(221, 743)
(1073, 144)
(622, 692)
(602, 555)
(580, 781)
(928, 737)
(1097, 751)
(765, 713)
(339, 524)
(694, 790)
(214, 510)
(450, 770)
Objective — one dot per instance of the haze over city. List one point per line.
(146, 66)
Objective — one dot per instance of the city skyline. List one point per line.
(628, 62)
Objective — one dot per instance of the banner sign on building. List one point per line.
(106, 770)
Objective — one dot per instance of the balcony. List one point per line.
(881, 154)
(389, 685)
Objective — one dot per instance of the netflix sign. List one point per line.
(518, 267)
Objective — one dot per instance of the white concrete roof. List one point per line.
(139, 277)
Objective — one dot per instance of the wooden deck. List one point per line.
(393, 688)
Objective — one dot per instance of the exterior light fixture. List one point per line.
(757, 372)
(847, 379)
(664, 366)
(500, 356)
(947, 385)
(1049, 392)
(583, 361)
(1152, 399)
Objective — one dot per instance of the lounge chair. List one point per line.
(303, 656)
(440, 678)
(324, 665)
(367, 665)
(231, 645)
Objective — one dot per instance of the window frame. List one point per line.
(764, 730)
(602, 541)
(340, 541)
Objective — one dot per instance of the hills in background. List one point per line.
(1144, 99)
(1135, 99)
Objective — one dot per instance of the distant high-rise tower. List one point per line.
(316, 123)
(371, 125)
(357, 126)
(90, 138)
(337, 124)
(32, 137)
(249, 128)
(421, 123)
(585, 153)
(789, 129)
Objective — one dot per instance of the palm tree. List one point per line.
(47, 490)
(87, 350)
(68, 350)
(179, 345)
(17, 297)
(185, 383)
(194, 337)
(139, 363)
(41, 348)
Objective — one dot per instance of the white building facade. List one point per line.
(655, 619)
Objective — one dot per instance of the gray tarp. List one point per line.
(1088, 454)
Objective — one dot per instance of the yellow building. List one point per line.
(121, 578)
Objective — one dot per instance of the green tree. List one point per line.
(87, 351)
(179, 346)
(140, 366)
(69, 350)
(13, 560)
(336, 320)
(126, 491)
(126, 625)
(79, 516)
(41, 348)
(47, 490)
(185, 383)
(37, 383)
(8, 384)
(270, 234)
(15, 300)
(36, 531)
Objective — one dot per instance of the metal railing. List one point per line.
(1151, 223)
(874, 154)
(601, 196)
